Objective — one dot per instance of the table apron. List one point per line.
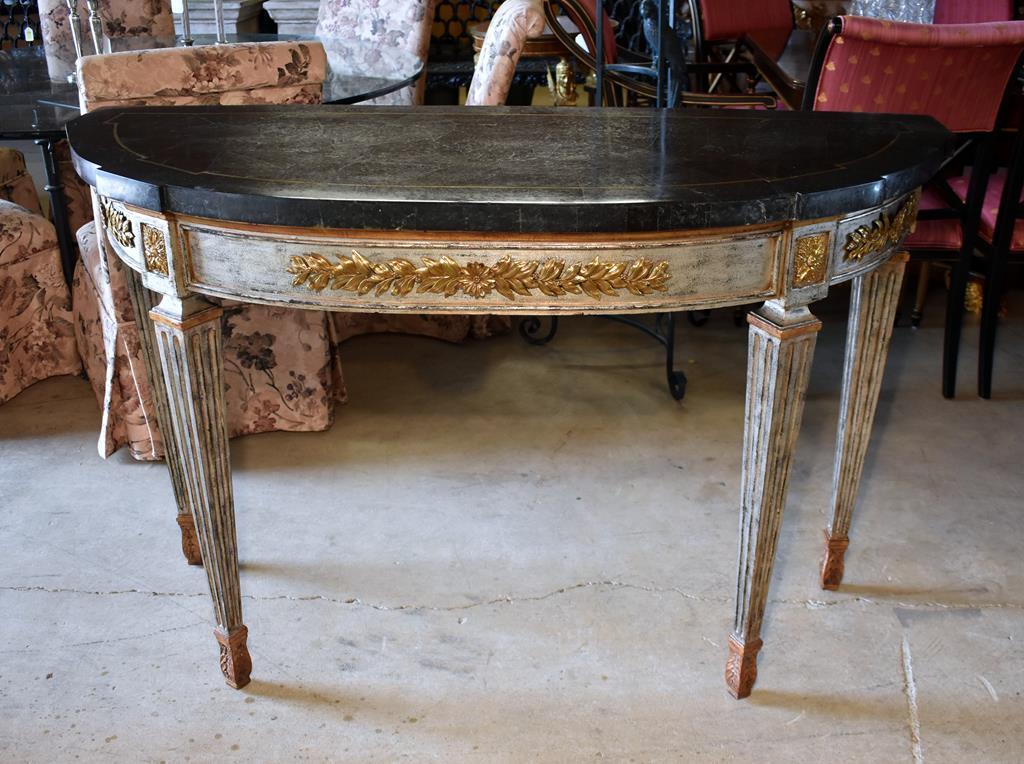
(392, 272)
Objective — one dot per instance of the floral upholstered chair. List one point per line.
(15, 183)
(37, 337)
(378, 38)
(121, 18)
(281, 365)
(515, 22)
(960, 75)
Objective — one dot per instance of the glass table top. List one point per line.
(36, 100)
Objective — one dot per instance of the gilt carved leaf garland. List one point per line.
(508, 277)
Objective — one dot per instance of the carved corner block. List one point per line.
(834, 565)
(154, 250)
(235, 663)
(189, 540)
(810, 261)
(741, 667)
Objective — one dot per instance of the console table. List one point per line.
(549, 211)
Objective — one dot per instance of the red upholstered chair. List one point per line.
(620, 84)
(972, 11)
(1001, 238)
(719, 25)
(37, 338)
(958, 74)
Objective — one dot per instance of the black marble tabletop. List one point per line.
(503, 169)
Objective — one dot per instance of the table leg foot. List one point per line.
(873, 301)
(189, 540)
(235, 663)
(741, 667)
(835, 562)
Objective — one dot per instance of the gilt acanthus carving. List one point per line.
(811, 262)
(508, 277)
(884, 233)
(154, 249)
(116, 224)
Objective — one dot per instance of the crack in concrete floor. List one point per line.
(512, 599)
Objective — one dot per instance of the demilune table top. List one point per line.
(518, 170)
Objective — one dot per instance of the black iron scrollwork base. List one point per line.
(663, 331)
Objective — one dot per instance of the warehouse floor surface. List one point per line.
(505, 553)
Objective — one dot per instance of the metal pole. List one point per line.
(74, 21)
(599, 52)
(660, 101)
(218, 12)
(95, 25)
(186, 26)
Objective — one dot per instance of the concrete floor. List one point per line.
(504, 553)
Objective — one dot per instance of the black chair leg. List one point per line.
(989, 324)
(998, 261)
(962, 267)
(917, 313)
(954, 324)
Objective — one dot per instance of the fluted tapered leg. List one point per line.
(872, 314)
(778, 368)
(142, 303)
(188, 337)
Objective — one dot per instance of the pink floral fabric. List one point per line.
(283, 72)
(121, 18)
(77, 194)
(515, 22)
(957, 73)
(384, 38)
(16, 184)
(36, 334)
(281, 365)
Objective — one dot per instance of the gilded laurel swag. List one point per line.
(507, 277)
(884, 233)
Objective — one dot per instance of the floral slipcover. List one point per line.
(121, 18)
(36, 334)
(16, 184)
(513, 24)
(77, 194)
(381, 38)
(281, 365)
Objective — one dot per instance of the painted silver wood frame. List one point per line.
(788, 266)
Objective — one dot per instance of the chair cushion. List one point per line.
(36, 333)
(243, 73)
(16, 184)
(990, 209)
(935, 234)
(23, 233)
